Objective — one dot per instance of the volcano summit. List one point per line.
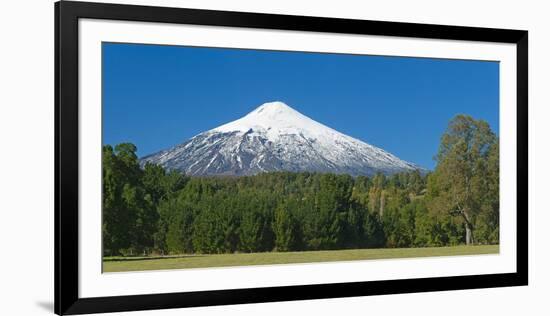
(275, 137)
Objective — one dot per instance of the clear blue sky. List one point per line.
(159, 96)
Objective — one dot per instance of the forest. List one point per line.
(150, 210)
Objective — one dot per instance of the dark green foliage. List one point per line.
(131, 200)
(278, 212)
(373, 232)
(285, 228)
(255, 231)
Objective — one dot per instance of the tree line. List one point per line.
(147, 209)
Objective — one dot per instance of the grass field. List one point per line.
(121, 264)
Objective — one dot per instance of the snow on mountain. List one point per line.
(275, 137)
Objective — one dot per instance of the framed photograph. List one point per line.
(208, 157)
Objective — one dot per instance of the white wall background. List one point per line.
(26, 156)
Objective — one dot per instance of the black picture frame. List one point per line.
(67, 15)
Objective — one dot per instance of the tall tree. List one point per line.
(284, 228)
(460, 181)
(115, 218)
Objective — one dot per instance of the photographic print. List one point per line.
(210, 157)
(217, 157)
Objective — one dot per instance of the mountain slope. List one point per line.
(275, 137)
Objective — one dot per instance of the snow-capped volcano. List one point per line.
(275, 137)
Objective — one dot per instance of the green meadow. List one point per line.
(122, 264)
